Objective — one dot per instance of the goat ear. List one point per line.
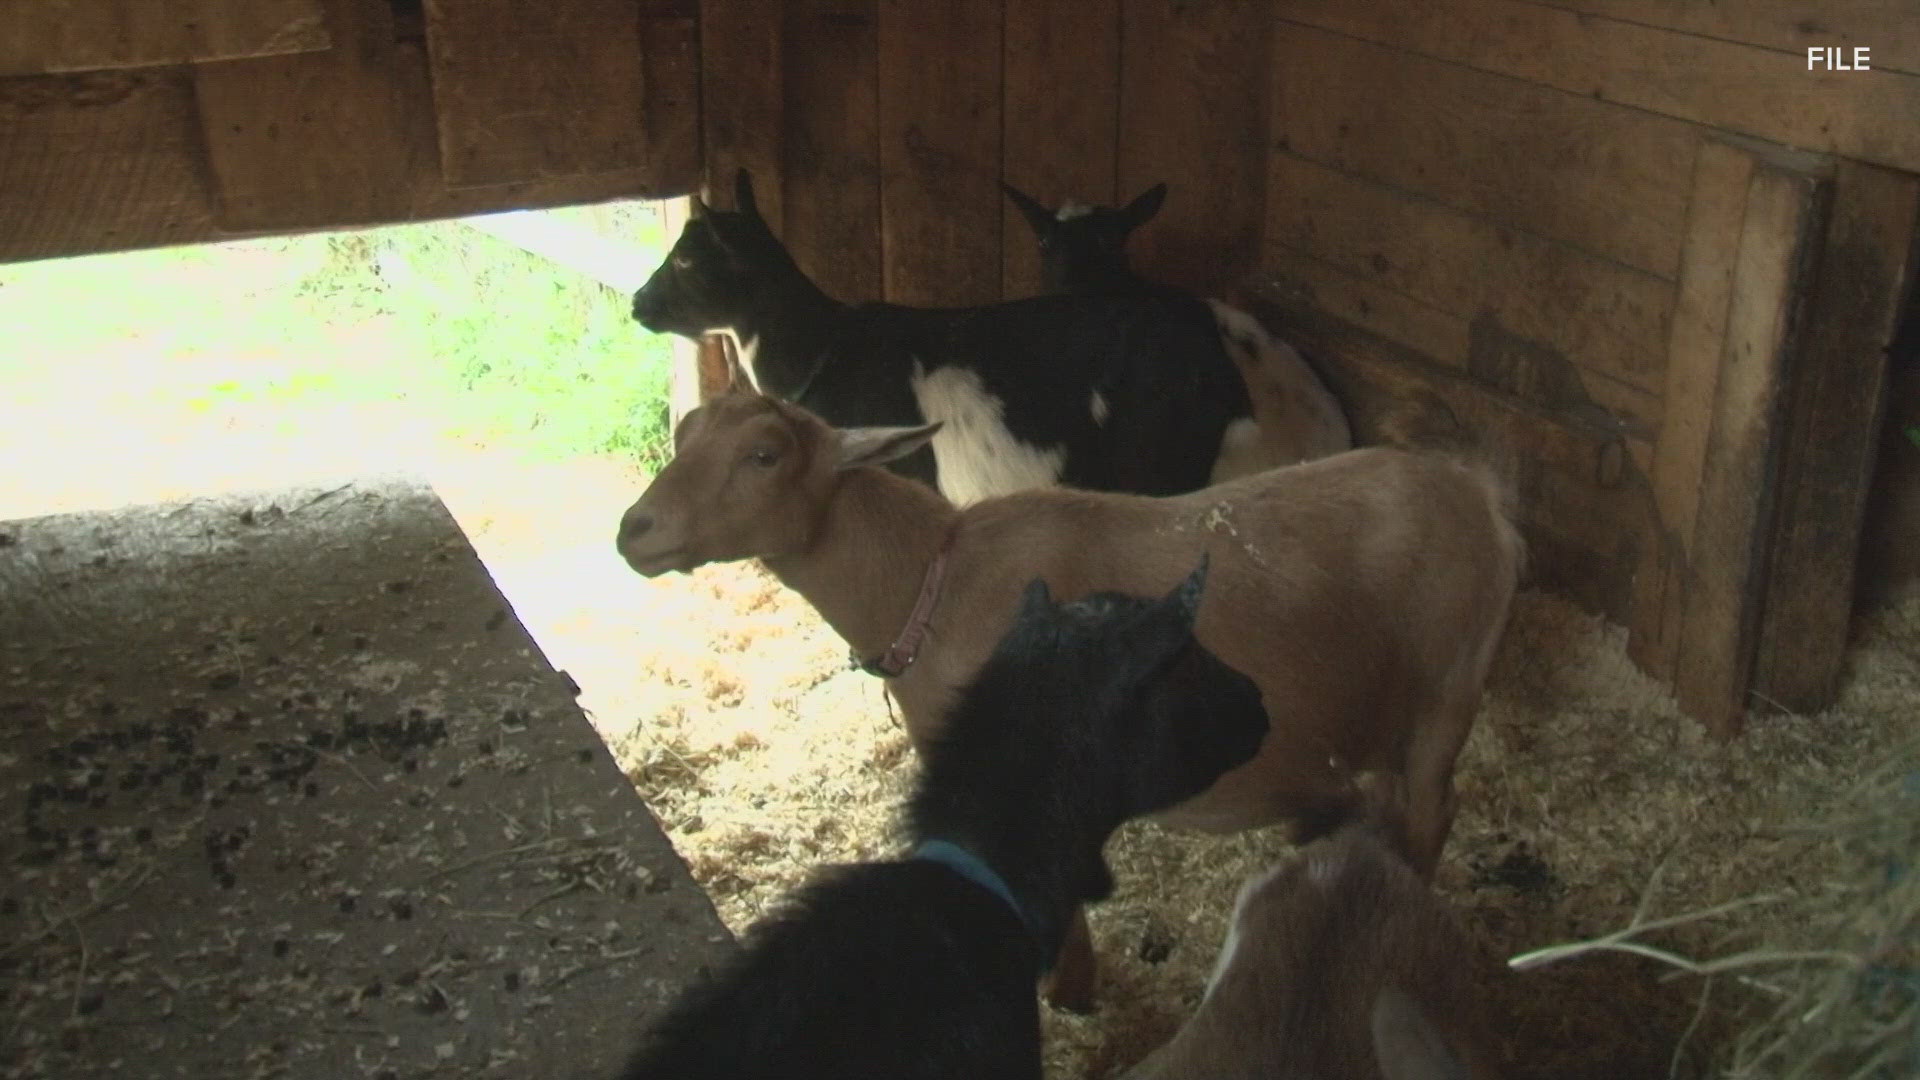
(879, 445)
(1184, 601)
(1035, 601)
(1143, 207)
(743, 200)
(1039, 218)
(1407, 1044)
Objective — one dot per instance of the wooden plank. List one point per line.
(1060, 144)
(1741, 88)
(1718, 202)
(1582, 488)
(1457, 342)
(741, 99)
(310, 141)
(670, 113)
(1727, 568)
(1595, 315)
(529, 91)
(49, 36)
(1595, 175)
(99, 162)
(1890, 29)
(939, 124)
(1835, 403)
(831, 146)
(1193, 107)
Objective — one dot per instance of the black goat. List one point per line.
(1089, 713)
(1083, 251)
(1103, 392)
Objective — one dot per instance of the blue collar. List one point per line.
(975, 869)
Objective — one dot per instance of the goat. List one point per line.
(1339, 964)
(1083, 251)
(1099, 392)
(923, 968)
(1363, 593)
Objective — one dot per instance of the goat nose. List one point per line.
(634, 524)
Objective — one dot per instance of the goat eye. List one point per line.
(763, 458)
(683, 262)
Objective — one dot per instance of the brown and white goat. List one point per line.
(1363, 593)
(1339, 964)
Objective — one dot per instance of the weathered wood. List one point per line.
(1890, 537)
(1193, 101)
(831, 144)
(300, 141)
(530, 91)
(1062, 115)
(1591, 318)
(1727, 564)
(1835, 401)
(939, 123)
(741, 99)
(1889, 28)
(1569, 168)
(99, 162)
(670, 100)
(49, 36)
(1711, 247)
(1581, 486)
(1754, 91)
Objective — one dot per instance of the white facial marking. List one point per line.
(744, 348)
(977, 456)
(1070, 210)
(1098, 407)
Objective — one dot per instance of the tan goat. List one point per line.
(1295, 417)
(1363, 593)
(1339, 964)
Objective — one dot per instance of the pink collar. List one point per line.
(906, 647)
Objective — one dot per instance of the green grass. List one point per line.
(497, 346)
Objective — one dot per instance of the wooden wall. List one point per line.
(133, 123)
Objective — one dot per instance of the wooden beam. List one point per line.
(939, 128)
(51, 36)
(831, 146)
(1890, 29)
(1060, 143)
(741, 99)
(1835, 402)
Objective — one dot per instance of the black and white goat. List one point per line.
(1089, 713)
(1109, 393)
(1083, 252)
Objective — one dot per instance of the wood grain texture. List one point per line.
(1835, 402)
(830, 141)
(100, 162)
(1193, 104)
(49, 36)
(1061, 115)
(741, 99)
(1594, 175)
(670, 114)
(1728, 556)
(532, 91)
(1739, 88)
(939, 127)
(1591, 318)
(318, 139)
(1889, 28)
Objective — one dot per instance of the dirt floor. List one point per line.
(732, 709)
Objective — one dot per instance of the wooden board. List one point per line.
(1741, 88)
(1193, 104)
(670, 100)
(1714, 584)
(831, 145)
(1582, 488)
(530, 91)
(1062, 112)
(1595, 175)
(1600, 319)
(741, 99)
(1835, 401)
(295, 141)
(45, 36)
(1889, 28)
(99, 162)
(939, 125)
